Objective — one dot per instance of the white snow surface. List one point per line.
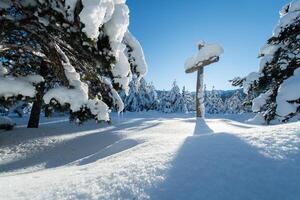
(205, 53)
(151, 156)
(289, 90)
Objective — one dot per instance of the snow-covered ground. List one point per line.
(151, 156)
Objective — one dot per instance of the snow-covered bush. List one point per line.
(67, 55)
(274, 89)
(6, 123)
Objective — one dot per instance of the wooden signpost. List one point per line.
(199, 67)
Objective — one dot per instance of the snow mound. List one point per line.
(6, 123)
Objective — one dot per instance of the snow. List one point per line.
(14, 86)
(151, 156)
(5, 5)
(260, 101)
(207, 52)
(289, 14)
(257, 119)
(294, 6)
(137, 53)
(3, 70)
(250, 79)
(288, 91)
(70, 9)
(117, 101)
(94, 14)
(117, 26)
(201, 127)
(121, 71)
(6, 123)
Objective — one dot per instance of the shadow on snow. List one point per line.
(91, 143)
(222, 166)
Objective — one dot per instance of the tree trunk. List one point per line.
(34, 119)
(199, 94)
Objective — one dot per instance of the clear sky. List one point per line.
(170, 29)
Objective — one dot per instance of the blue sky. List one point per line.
(170, 29)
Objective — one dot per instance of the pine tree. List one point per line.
(142, 97)
(165, 104)
(56, 55)
(274, 90)
(234, 104)
(189, 101)
(214, 103)
(172, 101)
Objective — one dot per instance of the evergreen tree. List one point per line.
(172, 101)
(274, 90)
(234, 104)
(58, 56)
(165, 104)
(142, 97)
(189, 101)
(214, 103)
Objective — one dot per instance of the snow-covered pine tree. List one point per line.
(142, 97)
(214, 103)
(153, 97)
(67, 55)
(234, 104)
(165, 104)
(274, 90)
(172, 101)
(189, 101)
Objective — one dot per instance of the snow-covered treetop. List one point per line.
(288, 15)
(207, 52)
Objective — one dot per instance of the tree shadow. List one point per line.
(89, 141)
(222, 166)
(115, 148)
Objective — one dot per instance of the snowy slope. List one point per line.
(151, 156)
